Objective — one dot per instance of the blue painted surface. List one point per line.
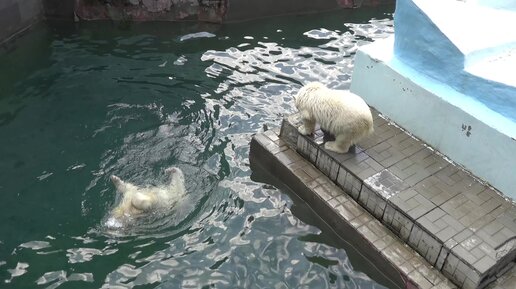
(448, 76)
(460, 127)
(444, 50)
(499, 4)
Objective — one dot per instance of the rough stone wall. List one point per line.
(18, 15)
(58, 9)
(152, 10)
(206, 10)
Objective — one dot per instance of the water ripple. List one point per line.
(132, 103)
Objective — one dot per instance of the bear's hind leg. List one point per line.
(340, 145)
(122, 186)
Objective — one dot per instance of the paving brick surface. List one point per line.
(460, 225)
(341, 210)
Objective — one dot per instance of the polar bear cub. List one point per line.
(342, 113)
(138, 200)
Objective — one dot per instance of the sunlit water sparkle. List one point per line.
(78, 104)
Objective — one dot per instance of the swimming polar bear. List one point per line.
(342, 113)
(139, 200)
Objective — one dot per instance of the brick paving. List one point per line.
(399, 262)
(461, 226)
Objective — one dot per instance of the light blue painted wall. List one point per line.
(437, 114)
(499, 4)
(437, 48)
(448, 67)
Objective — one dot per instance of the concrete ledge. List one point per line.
(464, 228)
(343, 213)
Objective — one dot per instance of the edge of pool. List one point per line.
(348, 219)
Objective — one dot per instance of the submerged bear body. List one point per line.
(137, 201)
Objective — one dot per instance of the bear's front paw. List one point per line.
(171, 170)
(115, 179)
(304, 131)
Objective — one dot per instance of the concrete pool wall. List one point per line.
(18, 15)
(216, 11)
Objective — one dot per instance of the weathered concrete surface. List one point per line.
(462, 227)
(207, 10)
(340, 211)
(59, 9)
(152, 10)
(250, 9)
(17, 16)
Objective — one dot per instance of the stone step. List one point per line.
(460, 225)
(402, 265)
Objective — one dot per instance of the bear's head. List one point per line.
(306, 93)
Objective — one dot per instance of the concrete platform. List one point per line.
(404, 267)
(463, 228)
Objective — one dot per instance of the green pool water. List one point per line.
(80, 102)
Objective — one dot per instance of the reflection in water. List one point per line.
(99, 101)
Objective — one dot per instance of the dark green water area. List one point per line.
(80, 102)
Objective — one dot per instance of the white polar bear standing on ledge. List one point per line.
(342, 113)
(136, 200)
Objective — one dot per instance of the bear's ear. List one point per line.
(141, 201)
(312, 87)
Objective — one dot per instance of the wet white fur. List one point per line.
(137, 200)
(340, 112)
